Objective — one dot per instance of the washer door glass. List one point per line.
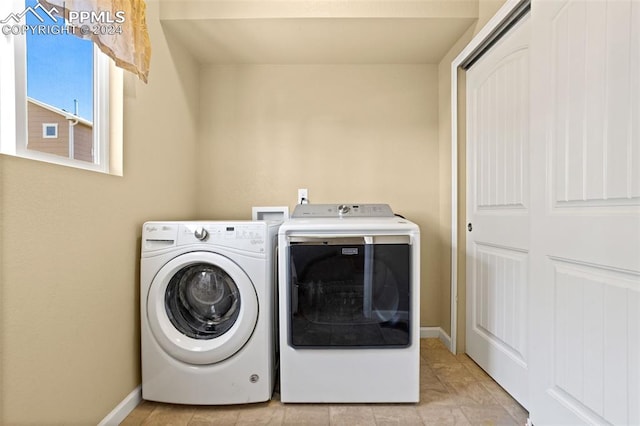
(202, 301)
(201, 308)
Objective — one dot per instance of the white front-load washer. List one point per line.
(207, 296)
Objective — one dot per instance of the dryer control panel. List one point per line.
(341, 210)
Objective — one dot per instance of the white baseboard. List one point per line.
(436, 332)
(430, 332)
(122, 410)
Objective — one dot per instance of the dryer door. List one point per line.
(350, 292)
(202, 308)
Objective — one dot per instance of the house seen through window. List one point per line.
(60, 89)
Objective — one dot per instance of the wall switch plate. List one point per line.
(303, 196)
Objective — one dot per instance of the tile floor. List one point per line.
(453, 391)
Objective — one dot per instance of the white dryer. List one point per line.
(349, 286)
(207, 301)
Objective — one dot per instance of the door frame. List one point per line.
(506, 16)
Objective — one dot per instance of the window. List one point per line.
(55, 91)
(50, 130)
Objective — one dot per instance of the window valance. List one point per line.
(117, 27)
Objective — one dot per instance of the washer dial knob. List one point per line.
(201, 233)
(343, 209)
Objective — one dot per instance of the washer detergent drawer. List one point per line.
(349, 293)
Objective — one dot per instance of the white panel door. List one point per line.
(498, 210)
(585, 213)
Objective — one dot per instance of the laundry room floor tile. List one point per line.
(453, 391)
(223, 416)
(306, 414)
(387, 415)
(347, 415)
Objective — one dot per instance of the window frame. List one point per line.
(107, 105)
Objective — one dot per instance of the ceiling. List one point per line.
(317, 31)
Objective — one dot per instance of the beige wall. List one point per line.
(69, 298)
(348, 133)
(69, 265)
(486, 10)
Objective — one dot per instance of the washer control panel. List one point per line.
(341, 210)
(241, 235)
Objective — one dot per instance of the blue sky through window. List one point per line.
(59, 68)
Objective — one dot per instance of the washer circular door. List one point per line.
(202, 308)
